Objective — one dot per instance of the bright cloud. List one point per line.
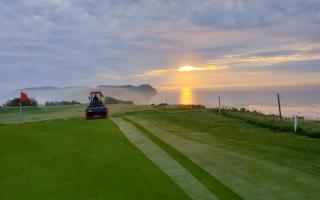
(185, 68)
(188, 68)
(306, 53)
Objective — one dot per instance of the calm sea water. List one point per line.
(302, 100)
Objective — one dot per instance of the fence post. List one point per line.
(219, 105)
(279, 105)
(295, 123)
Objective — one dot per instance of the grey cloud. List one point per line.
(275, 53)
(240, 14)
(300, 67)
(82, 38)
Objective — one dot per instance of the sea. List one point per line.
(303, 101)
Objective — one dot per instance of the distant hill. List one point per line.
(40, 88)
(141, 94)
(110, 100)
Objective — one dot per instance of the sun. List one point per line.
(187, 68)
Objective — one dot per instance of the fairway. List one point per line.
(254, 162)
(152, 153)
(77, 159)
(168, 164)
(10, 115)
(159, 100)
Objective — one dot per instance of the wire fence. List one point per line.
(266, 102)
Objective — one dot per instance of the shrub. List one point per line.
(111, 100)
(16, 102)
(60, 103)
(163, 104)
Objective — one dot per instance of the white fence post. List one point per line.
(219, 105)
(295, 123)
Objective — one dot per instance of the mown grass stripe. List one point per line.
(222, 191)
(182, 177)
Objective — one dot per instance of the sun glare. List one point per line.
(186, 96)
(187, 68)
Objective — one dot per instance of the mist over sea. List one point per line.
(300, 100)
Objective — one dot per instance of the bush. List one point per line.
(60, 103)
(16, 102)
(192, 106)
(111, 100)
(163, 104)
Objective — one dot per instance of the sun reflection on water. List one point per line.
(186, 97)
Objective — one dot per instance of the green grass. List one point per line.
(59, 155)
(214, 185)
(253, 161)
(77, 159)
(30, 114)
(241, 136)
(42, 113)
(308, 128)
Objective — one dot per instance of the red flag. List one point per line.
(23, 96)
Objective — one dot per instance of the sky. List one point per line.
(166, 43)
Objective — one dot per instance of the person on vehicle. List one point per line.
(95, 101)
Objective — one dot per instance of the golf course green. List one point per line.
(77, 159)
(151, 153)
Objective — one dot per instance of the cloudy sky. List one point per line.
(220, 43)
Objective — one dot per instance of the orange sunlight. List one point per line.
(188, 68)
(186, 97)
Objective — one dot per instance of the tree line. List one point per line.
(60, 103)
(33, 102)
(16, 102)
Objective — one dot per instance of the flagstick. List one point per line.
(20, 112)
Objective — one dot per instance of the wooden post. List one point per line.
(295, 123)
(279, 105)
(219, 105)
(20, 118)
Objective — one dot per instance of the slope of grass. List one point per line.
(305, 127)
(241, 136)
(77, 159)
(253, 160)
(214, 185)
